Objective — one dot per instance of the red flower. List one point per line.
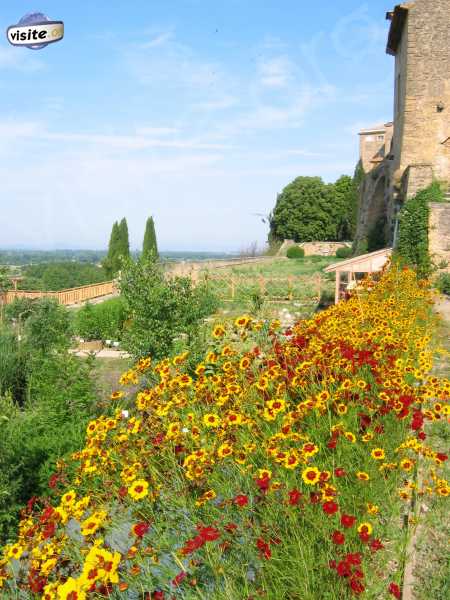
(330, 508)
(208, 534)
(422, 435)
(338, 538)
(364, 536)
(241, 500)
(395, 590)
(123, 492)
(53, 481)
(140, 529)
(339, 472)
(230, 527)
(441, 457)
(264, 548)
(344, 569)
(347, 521)
(179, 578)
(332, 444)
(376, 545)
(263, 483)
(357, 586)
(192, 545)
(353, 558)
(294, 497)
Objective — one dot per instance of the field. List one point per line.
(282, 288)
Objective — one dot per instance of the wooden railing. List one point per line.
(273, 289)
(67, 297)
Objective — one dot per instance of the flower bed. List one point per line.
(279, 469)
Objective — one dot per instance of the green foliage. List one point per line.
(443, 283)
(376, 238)
(343, 252)
(124, 242)
(159, 309)
(12, 366)
(48, 328)
(118, 249)
(310, 210)
(150, 246)
(19, 309)
(104, 321)
(50, 425)
(5, 282)
(27, 257)
(412, 247)
(295, 252)
(303, 211)
(60, 276)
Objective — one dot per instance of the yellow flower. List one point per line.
(350, 436)
(311, 475)
(218, 331)
(372, 509)
(211, 420)
(15, 551)
(92, 523)
(69, 498)
(365, 528)
(406, 464)
(224, 450)
(377, 454)
(71, 590)
(242, 321)
(138, 489)
(362, 476)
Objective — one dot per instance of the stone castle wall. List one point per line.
(439, 232)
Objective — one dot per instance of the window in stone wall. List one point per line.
(380, 138)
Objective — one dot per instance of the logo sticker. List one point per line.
(35, 31)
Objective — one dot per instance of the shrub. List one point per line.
(295, 252)
(104, 321)
(159, 310)
(413, 247)
(12, 367)
(48, 327)
(443, 283)
(343, 252)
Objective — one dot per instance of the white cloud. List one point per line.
(158, 40)
(19, 59)
(276, 72)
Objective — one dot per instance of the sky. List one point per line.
(196, 112)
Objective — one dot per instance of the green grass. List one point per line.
(432, 560)
(248, 291)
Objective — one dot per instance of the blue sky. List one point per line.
(197, 112)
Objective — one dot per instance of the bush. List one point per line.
(103, 321)
(12, 367)
(443, 283)
(159, 309)
(295, 252)
(343, 252)
(48, 327)
(50, 425)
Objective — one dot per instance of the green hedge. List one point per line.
(343, 252)
(103, 321)
(295, 252)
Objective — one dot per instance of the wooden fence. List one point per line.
(67, 297)
(231, 288)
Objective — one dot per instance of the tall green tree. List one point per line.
(304, 212)
(110, 264)
(343, 206)
(150, 246)
(124, 242)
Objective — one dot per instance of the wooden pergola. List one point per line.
(366, 263)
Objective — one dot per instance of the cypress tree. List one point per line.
(150, 246)
(110, 264)
(124, 242)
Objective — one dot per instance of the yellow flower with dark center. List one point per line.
(406, 464)
(224, 450)
(218, 331)
(211, 420)
(71, 590)
(92, 523)
(242, 321)
(362, 476)
(311, 475)
(365, 528)
(377, 454)
(138, 489)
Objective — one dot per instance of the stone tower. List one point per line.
(419, 39)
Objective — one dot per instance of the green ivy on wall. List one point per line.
(412, 247)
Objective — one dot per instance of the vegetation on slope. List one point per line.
(280, 468)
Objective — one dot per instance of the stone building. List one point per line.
(405, 156)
